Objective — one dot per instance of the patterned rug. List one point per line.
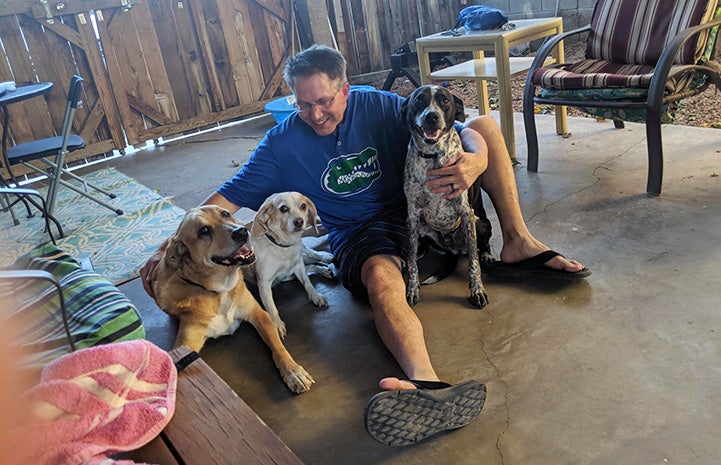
(116, 245)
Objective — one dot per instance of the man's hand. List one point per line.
(147, 270)
(456, 176)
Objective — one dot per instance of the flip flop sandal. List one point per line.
(534, 267)
(400, 418)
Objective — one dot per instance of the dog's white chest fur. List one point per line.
(279, 262)
(436, 211)
(230, 316)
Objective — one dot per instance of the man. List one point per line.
(346, 151)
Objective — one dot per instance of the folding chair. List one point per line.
(642, 58)
(26, 195)
(58, 147)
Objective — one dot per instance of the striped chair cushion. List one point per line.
(600, 74)
(98, 312)
(593, 74)
(640, 38)
(623, 49)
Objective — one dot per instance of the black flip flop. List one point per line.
(401, 418)
(534, 267)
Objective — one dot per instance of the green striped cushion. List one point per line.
(98, 312)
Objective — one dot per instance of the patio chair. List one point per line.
(52, 151)
(27, 195)
(642, 58)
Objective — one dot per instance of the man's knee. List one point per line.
(482, 123)
(380, 271)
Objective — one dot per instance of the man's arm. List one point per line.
(463, 169)
(147, 270)
(216, 199)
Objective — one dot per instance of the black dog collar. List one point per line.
(275, 241)
(196, 284)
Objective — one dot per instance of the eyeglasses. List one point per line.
(323, 103)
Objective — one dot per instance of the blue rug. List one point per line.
(117, 246)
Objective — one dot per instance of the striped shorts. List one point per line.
(385, 234)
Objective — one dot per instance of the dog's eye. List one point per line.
(303, 207)
(225, 214)
(204, 231)
(283, 209)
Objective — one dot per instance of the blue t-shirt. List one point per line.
(350, 177)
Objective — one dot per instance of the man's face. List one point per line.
(320, 104)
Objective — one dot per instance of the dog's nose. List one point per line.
(240, 234)
(298, 222)
(432, 117)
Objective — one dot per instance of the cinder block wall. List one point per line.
(575, 13)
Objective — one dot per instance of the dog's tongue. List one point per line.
(243, 252)
(431, 136)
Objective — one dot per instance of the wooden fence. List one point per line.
(156, 68)
(369, 31)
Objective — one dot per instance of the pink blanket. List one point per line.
(97, 401)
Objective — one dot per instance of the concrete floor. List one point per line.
(621, 368)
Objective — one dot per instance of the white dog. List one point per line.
(280, 253)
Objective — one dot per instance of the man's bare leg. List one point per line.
(500, 183)
(398, 325)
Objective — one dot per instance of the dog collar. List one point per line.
(196, 284)
(275, 241)
(429, 156)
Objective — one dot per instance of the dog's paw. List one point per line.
(485, 259)
(325, 257)
(322, 270)
(327, 272)
(413, 295)
(280, 326)
(479, 299)
(319, 300)
(298, 380)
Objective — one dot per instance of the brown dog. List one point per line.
(199, 281)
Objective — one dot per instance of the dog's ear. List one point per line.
(175, 252)
(404, 110)
(263, 215)
(312, 216)
(460, 111)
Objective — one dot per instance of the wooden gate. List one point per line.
(152, 68)
(178, 65)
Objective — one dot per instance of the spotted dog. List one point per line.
(430, 112)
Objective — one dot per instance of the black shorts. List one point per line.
(385, 234)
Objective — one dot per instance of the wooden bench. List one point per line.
(212, 425)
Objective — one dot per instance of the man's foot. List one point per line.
(539, 266)
(518, 249)
(395, 384)
(419, 409)
(559, 262)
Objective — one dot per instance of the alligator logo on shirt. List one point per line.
(352, 173)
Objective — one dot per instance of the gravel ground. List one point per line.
(703, 110)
